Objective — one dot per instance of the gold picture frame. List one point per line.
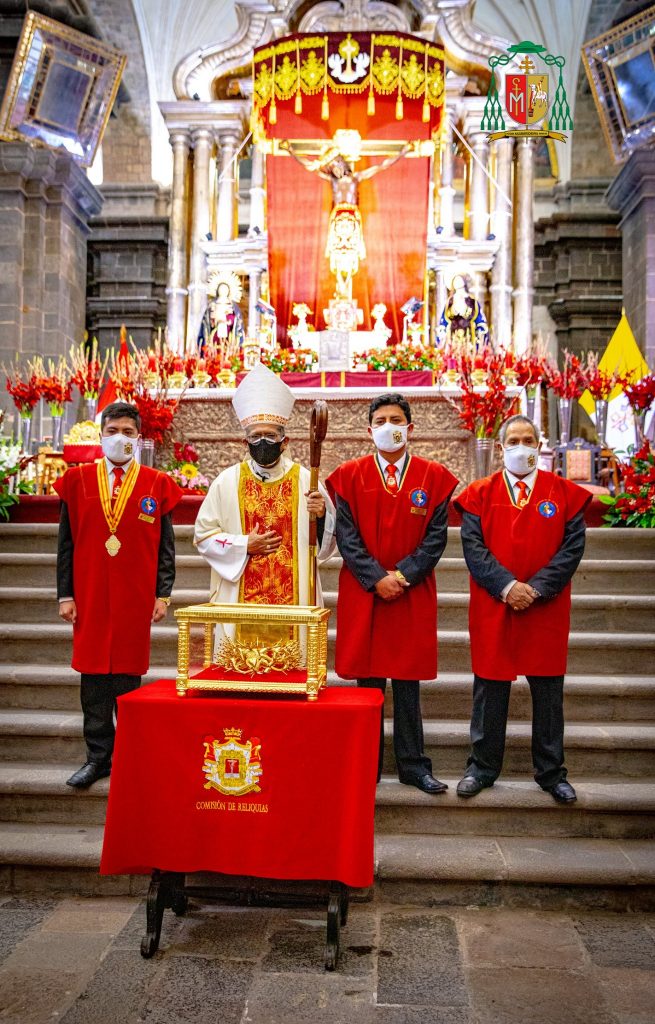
(311, 622)
(61, 89)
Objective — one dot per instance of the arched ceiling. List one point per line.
(173, 29)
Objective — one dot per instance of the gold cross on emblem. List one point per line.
(526, 65)
(348, 49)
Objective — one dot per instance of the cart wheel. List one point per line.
(333, 930)
(179, 903)
(155, 902)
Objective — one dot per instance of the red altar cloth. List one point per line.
(382, 379)
(312, 817)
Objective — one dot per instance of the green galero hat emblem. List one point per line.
(527, 95)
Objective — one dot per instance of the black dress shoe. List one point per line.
(426, 783)
(88, 774)
(563, 792)
(470, 785)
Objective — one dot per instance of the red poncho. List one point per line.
(505, 644)
(376, 638)
(115, 596)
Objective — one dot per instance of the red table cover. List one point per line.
(313, 817)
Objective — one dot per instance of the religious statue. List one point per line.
(345, 238)
(462, 318)
(222, 321)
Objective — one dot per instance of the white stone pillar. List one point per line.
(479, 193)
(176, 291)
(524, 253)
(200, 223)
(446, 189)
(254, 279)
(226, 217)
(257, 192)
(501, 227)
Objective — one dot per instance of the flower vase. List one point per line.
(26, 432)
(639, 416)
(91, 406)
(565, 410)
(147, 452)
(57, 432)
(601, 420)
(484, 452)
(530, 400)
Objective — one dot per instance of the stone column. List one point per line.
(46, 202)
(257, 192)
(254, 281)
(176, 291)
(200, 220)
(501, 227)
(226, 218)
(524, 252)
(446, 190)
(632, 193)
(479, 194)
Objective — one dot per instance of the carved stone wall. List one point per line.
(209, 422)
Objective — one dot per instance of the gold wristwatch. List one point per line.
(399, 576)
(166, 600)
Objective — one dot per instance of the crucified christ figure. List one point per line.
(345, 238)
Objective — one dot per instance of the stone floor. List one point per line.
(77, 961)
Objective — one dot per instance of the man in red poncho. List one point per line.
(392, 528)
(523, 534)
(115, 574)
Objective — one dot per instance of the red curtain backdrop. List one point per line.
(393, 204)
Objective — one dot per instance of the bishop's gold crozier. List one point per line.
(115, 514)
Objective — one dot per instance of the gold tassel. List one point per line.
(272, 113)
(325, 108)
(399, 108)
(370, 106)
(426, 111)
(297, 106)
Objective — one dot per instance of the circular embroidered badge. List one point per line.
(148, 504)
(547, 509)
(419, 498)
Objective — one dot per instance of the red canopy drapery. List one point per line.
(393, 204)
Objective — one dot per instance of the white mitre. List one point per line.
(263, 398)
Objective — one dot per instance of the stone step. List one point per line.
(622, 749)
(57, 857)
(595, 576)
(589, 612)
(406, 861)
(600, 543)
(587, 698)
(601, 653)
(617, 809)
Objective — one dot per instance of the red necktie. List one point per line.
(522, 488)
(118, 476)
(392, 483)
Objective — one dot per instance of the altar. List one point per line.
(205, 418)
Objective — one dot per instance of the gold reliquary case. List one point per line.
(252, 648)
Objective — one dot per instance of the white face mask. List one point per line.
(520, 460)
(119, 448)
(390, 437)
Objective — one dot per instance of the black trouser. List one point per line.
(489, 724)
(407, 728)
(98, 695)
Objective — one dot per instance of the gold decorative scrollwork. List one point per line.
(312, 74)
(385, 73)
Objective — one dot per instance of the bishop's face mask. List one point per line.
(390, 437)
(520, 459)
(119, 447)
(265, 451)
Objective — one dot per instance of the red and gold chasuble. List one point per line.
(395, 639)
(505, 644)
(115, 593)
(270, 579)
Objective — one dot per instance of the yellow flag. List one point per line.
(622, 355)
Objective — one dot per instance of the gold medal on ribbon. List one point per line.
(114, 514)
